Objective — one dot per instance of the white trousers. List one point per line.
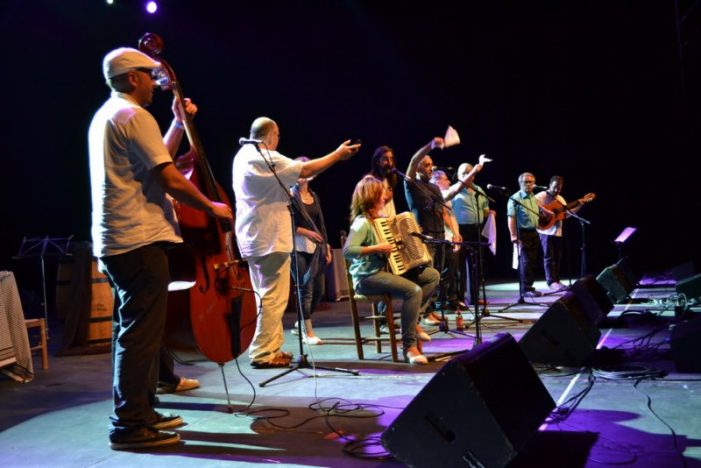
(270, 276)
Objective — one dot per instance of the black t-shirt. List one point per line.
(425, 201)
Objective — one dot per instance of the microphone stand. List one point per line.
(583, 249)
(301, 362)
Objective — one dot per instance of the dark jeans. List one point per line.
(140, 278)
(313, 290)
(528, 258)
(552, 257)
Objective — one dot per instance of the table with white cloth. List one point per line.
(15, 353)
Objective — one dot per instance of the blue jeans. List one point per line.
(415, 288)
(141, 280)
(313, 290)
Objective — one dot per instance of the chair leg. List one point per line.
(356, 329)
(376, 327)
(44, 347)
(389, 315)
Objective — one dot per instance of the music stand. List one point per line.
(41, 247)
(301, 362)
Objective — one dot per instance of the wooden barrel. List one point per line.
(64, 285)
(101, 303)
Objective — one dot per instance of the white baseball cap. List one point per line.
(124, 59)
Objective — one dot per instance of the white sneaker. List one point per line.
(557, 286)
(312, 340)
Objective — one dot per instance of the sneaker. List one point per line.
(167, 421)
(184, 385)
(557, 286)
(431, 320)
(143, 437)
(532, 294)
(312, 340)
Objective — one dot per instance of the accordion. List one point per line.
(408, 251)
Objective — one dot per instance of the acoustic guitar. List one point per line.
(559, 211)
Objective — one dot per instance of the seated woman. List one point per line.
(368, 265)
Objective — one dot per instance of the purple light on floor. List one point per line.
(151, 7)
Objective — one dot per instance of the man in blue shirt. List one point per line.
(522, 212)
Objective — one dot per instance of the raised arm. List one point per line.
(318, 165)
(437, 142)
(463, 182)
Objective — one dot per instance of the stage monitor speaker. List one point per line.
(690, 287)
(686, 345)
(593, 298)
(617, 284)
(480, 409)
(564, 335)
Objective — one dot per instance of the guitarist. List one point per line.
(554, 209)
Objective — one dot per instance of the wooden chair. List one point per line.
(42, 345)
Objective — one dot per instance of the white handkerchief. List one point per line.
(514, 259)
(451, 137)
(489, 232)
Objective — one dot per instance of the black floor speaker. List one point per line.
(617, 282)
(564, 335)
(690, 287)
(480, 409)
(686, 345)
(592, 297)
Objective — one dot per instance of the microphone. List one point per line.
(497, 187)
(401, 174)
(420, 236)
(249, 141)
(539, 187)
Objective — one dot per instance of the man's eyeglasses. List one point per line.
(145, 70)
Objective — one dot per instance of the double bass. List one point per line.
(215, 319)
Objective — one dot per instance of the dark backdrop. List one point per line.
(600, 92)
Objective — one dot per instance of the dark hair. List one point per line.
(556, 178)
(375, 165)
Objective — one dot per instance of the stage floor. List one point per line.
(60, 419)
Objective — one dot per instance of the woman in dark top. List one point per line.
(312, 252)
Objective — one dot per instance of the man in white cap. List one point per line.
(131, 174)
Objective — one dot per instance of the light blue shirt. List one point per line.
(525, 219)
(466, 208)
(362, 235)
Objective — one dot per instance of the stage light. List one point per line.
(110, 2)
(625, 234)
(151, 7)
(622, 238)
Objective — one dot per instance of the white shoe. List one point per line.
(312, 340)
(412, 358)
(557, 286)
(422, 335)
(295, 330)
